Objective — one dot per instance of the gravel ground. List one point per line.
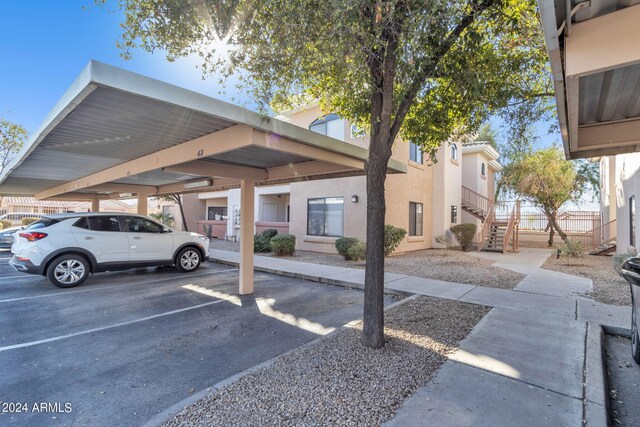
(608, 286)
(338, 381)
(449, 266)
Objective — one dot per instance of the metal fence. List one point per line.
(569, 221)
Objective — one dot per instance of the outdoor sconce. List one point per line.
(354, 198)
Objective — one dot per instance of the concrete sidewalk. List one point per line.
(533, 360)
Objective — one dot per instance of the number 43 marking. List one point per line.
(200, 153)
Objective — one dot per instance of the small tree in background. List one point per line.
(548, 181)
(12, 138)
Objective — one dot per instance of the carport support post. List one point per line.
(95, 204)
(246, 236)
(142, 204)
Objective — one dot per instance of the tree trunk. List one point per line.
(554, 223)
(373, 319)
(178, 200)
(551, 233)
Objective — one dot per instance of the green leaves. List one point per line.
(548, 180)
(12, 138)
(455, 63)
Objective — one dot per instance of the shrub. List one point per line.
(27, 221)
(283, 244)
(5, 223)
(1, 226)
(618, 260)
(392, 238)
(343, 244)
(573, 249)
(464, 234)
(270, 233)
(261, 243)
(357, 251)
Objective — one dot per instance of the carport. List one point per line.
(117, 134)
(595, 62)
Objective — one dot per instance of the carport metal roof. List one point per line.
(116, 132)
(595, 61)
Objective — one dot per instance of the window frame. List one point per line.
(454, 214)
(324, 223)
(483, 170)
(225, 215)
(454, 152)
(413, 219)
(632, 220)
(124, 225)
(415, 153)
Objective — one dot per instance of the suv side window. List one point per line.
(136, 224)
(103, 223)
(82, 223)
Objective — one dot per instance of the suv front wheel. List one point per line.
(188, 260)
(68, 271)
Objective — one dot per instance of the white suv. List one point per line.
(68, 247)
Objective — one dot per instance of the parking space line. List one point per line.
(116, 286)
(103, 328)
(22, 276)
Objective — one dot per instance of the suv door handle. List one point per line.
(137, 237)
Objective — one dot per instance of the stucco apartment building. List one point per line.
(619, 192)
(426, 201)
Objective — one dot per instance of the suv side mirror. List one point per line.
(166, 229)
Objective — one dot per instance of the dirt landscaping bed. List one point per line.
(449, 266)
(608, 286)
(338, 381)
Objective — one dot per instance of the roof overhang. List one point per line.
(595, 62)
(115, 133)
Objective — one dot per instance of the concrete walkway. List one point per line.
(533, 360)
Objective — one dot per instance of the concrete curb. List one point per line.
(174, 409)
(311, 278)
(596, 387)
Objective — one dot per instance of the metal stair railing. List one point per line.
(476, 200)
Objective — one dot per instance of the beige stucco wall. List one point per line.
(446, 190)
(355, 214)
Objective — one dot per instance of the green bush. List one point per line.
(283, 244)
(261, 243)
(27, 221)
(5, 223)
(573, 249)
(464, 234)
(618, 260)
(270, 233)
(357, 251)
(343, 244)
(392, 238)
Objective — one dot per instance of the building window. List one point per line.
(415, 219)
(356, 132)
(483, 170)
(415, 153)
(325, 216)
(454, 214)
(217, 213)
(331, 125)
(454, 152)
(632, 220)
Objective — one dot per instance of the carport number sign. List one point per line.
(200, 152)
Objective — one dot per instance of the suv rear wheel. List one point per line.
(188, 260)
(68, 271)
(635, 335)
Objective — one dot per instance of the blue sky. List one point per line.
(46, 43)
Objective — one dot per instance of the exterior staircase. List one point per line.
(602, 239)
(495, 238)
(475, 204)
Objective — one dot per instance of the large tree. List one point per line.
(12, 138)
(549, 181)
(421, 71)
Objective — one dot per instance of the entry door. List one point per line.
(102, 236)
(147, 241)
(269, 212)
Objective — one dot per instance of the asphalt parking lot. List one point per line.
(126, 345)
